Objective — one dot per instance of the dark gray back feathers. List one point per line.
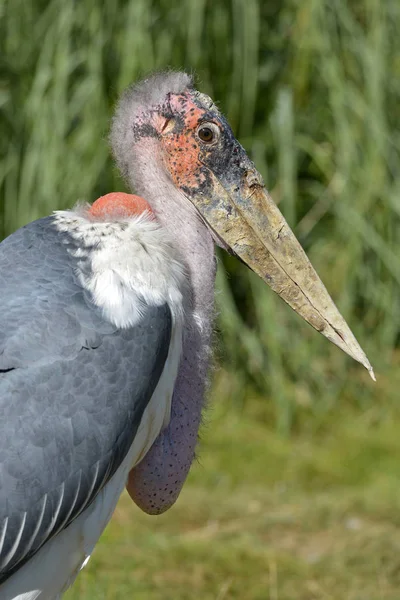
(73, 389)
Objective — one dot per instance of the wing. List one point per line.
(73, 389)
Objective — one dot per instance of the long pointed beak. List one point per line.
(245, 217)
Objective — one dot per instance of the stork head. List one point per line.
(193, 146)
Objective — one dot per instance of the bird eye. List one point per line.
(208, 132)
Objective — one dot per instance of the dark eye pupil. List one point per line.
(206, 134)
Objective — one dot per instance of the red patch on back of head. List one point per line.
(118, 205)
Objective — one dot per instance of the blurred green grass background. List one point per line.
(298, 493)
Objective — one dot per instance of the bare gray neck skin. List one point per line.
(157, 481)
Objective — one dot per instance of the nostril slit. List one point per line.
(254, 179)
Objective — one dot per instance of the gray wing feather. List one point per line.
(73, 389)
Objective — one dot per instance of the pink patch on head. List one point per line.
(183, 151)
(118, 205)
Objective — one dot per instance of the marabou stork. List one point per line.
(105, 327)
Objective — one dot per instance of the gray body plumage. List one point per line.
(73, 389)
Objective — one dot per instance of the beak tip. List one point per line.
(371, 372)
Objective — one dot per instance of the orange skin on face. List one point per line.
(182, 150)
(181, 155)
(118, 205)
